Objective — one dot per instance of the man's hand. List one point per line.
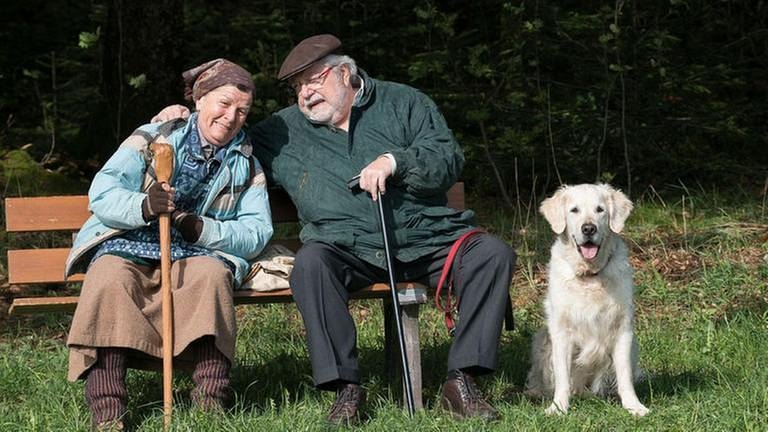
(373, 178)
(159, 199)
(171, 112)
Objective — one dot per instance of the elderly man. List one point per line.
(344, 124)
(221, 219)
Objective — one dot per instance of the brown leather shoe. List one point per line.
(462, 398)
(346, 409)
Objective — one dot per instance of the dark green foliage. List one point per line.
(23, 176)
(539, 92)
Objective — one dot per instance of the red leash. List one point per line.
(450, 306)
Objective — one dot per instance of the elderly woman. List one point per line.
(221, 219)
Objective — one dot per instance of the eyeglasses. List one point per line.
(314, 83)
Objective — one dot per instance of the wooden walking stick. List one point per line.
(164, 169)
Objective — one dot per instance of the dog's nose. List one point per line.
(588, 229)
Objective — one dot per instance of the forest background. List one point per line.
(666, 99)
(643, 94)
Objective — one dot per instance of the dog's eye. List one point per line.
(600, 209)
(575, 210)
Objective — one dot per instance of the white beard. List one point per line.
(329, 111)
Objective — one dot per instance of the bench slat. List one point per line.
(46, 266)
(53, 213)
(33, 305)
(38, 266)
(68, 213)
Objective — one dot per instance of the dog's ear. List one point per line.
(553, 209)
(619, 207)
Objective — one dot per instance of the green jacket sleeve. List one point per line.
(268, 137)
(433, 160)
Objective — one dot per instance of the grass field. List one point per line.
(702, 321)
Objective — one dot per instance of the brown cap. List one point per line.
(213, 74)
(307, 52)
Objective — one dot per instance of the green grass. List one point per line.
(702, 321)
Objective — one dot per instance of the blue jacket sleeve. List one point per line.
(115, 195)
(249, 231)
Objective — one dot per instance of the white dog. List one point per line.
(588, 344)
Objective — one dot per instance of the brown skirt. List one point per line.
(120, 306)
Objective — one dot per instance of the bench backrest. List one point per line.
(68, 213)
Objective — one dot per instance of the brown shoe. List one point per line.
(462, 398)
(346, 409)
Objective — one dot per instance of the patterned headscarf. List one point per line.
(213, 74)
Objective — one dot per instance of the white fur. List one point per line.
(588, 343)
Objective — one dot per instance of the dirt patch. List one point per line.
(749, 256)
(674, 265)
(528, 286)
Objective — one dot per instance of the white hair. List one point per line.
(334, 60)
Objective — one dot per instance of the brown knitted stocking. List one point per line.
(211, 376)
(105, 389)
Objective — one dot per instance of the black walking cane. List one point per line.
(354, 185)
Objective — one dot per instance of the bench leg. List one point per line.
(410, 319)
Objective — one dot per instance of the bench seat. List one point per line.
(30, 266)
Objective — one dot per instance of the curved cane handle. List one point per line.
(163, 161)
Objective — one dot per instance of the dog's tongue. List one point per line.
(589, 251)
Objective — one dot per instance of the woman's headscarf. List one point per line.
(201, 79)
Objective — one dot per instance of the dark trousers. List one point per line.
(324, 276)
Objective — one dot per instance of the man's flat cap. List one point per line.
(307, 52)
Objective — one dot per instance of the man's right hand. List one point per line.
(171, 112)
(373, 178)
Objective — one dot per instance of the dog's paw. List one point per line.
(638, 409)
(556, 410)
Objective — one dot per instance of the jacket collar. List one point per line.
(369, 89)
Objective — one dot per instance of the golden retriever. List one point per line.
(588, 343)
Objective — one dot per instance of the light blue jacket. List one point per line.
(237, 223)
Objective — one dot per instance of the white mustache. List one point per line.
(315, 98)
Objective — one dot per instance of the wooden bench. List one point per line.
(45, 266)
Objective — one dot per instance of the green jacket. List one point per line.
(314, 162)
